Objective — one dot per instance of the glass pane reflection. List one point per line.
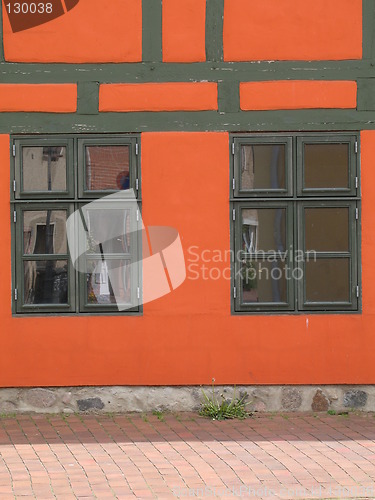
(263, 167)
(108, 282)
(264, 281)
(44, 232)
(44, 168)
(263, 229)
(109, 231)
(107, 168)
(46, 282)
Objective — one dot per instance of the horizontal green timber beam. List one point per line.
(249, 121)
(159, 72)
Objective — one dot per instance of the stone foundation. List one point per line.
(337, 398)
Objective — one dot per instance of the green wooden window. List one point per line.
(295, 213)
(53, 177)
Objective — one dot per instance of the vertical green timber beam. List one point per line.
(366, 94)
(1, 33)
(152, 30)
(368, 29)
(228, 96)
(214, 30)
(88, 98)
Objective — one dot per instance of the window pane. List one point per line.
(327, 280)
(263, 167)
(108, 282)
(44, 168)
(263, 229)
(109, 231)
(107, 168)
(327, 229)
(264, 281)
(44, 232)
(326, 166)
(46, 282)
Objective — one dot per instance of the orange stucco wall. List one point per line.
(96, 31)
(184, 30)
(92, 31)
(54, 98)
(189, 336)
(297, 94)
(187, 96)
(292, 29)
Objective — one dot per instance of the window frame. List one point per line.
(351, 254)
(71, 200)
(316, 139)
(21, 257)
(268, 204)
(131, 256)
(262, 140)
(296, 199)
(19, 143)
(102, 140)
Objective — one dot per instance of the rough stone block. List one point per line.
(355, 398)
(291, 399)
(320, 401)
(90, 404)
(7, 407)
(40, 398)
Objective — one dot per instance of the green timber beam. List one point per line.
(152, 30)
(174, 72)
(214, 30)
(288, 120)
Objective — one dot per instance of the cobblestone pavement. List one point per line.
(187, 456)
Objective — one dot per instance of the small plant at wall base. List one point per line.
(159, 414)
(224, 409)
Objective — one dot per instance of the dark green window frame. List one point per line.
(73, 198)
(295, 199)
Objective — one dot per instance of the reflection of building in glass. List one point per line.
(44, 168)
(262, 167)
(108, 280)
(46, 282)
(44, 233)
(102, 224)
(107, 167)
(263, 229)
(249, 216)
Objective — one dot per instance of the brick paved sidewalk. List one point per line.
(186, 456)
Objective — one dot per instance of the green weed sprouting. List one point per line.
(224, 409)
